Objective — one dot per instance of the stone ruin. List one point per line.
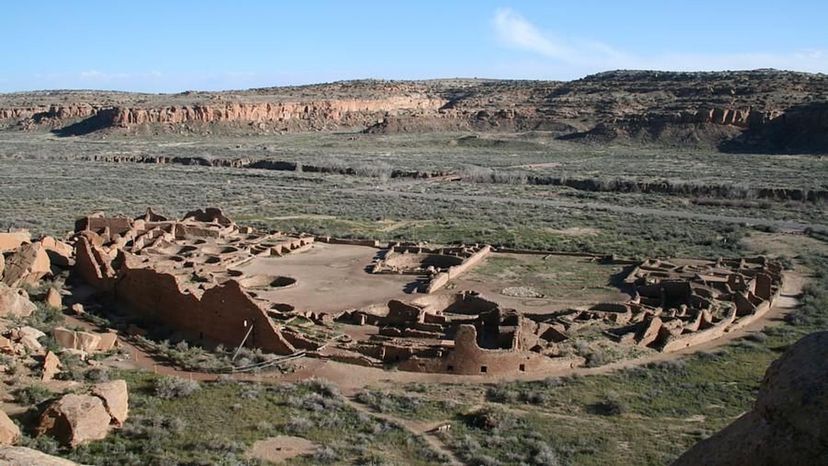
(439, 265)
(181, 273)
(194, 275)
(678, 305)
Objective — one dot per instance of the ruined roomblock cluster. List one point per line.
(216, 282)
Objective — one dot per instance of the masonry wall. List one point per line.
(467, 358)
(222, 314)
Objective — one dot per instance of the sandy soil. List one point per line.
(280, 448)
(330, 278)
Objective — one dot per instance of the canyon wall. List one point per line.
(759, 111)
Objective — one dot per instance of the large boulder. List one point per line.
(22, 456)
(75, 419)
(116, 399)
(11, 240)
(107, 341)
(789, 421)
(88, 342)
(64, 337)
(14, 302)
(28, 264)
(9, 432)
(59, 253)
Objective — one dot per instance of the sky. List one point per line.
(172, 46)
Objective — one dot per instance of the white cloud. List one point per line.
(515, 31)
(585, 56)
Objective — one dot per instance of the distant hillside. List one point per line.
(755, 111)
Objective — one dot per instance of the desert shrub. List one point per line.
(386, 402)
(594, 356)
(32, 394)
(322, 387)
(43, 443)
(610, 405)
(488, 418)
(175, 387)
(325, 454)
(153, 427)
(97, 374)
(299, 425)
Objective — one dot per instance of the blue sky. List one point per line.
(170, 46)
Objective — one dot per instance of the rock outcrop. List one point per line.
(28, 264)
(9, 432)
(22, 456)
(759, 110)
(9, 241)
(75, 419)
(789, 421)
(116, 399)
(88, 342)
(14, 302)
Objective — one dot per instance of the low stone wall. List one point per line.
(373, 243)
(440, 280)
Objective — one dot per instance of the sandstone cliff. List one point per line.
(761, 110)
(789, 422)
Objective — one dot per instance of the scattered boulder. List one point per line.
(59, 253)
(116, 399)
(64, 337)
(78, 309)
(14, 302)
(75, 419)
(6, 345)
(11, 240)
(28, 264)
(27, 331)
(53, 299)
(87, 341)
(51, 366)
(789, 421)
(108, 341)
(9, 432)
(31, 344)
(22, 456)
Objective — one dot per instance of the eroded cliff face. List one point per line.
(319, 114)
(762, 110)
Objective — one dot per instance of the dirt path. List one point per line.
(425, 430)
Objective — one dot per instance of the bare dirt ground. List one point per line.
(280, 448)
(329, 278)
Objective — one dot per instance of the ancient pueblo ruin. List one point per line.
(396, 305)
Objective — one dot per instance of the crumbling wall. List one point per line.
(222, 314)
(686, 340)
(440, 280)
(467, 358)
